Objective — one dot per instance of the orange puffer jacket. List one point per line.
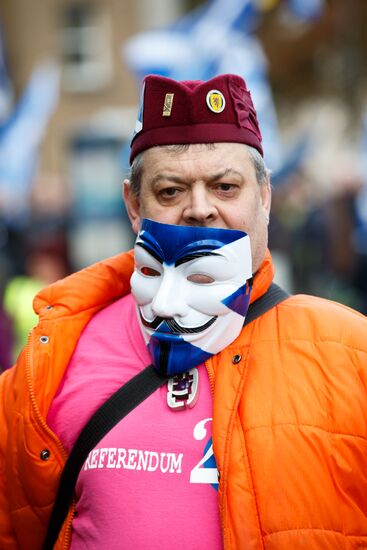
(289, 428)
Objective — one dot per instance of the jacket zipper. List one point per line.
(39, 417)
(67, 537)
(211, 377)
(44, 426)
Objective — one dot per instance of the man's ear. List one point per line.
(265, 192)
(132, 206)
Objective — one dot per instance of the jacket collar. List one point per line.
(263, 277)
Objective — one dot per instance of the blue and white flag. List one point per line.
(218, 38)
(20, 139)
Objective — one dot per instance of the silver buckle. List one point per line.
(182, 390)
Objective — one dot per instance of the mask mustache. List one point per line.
(176, 328)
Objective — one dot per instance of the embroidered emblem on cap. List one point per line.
(215, 101)
(167, 107)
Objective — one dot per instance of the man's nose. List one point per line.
(169, 302)
(200, 209)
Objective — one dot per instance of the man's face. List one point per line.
(202, 186)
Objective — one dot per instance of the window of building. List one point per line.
(85, 47)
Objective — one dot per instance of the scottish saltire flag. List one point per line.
(218, 38)
(20, 139)
(191, 47)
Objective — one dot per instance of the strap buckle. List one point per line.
(182, 390)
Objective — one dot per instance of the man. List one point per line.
(277, 410)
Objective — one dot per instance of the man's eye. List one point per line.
(169, 192)
(149, 272)
(225, 187)
(200, 279)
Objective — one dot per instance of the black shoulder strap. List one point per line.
(274, 295)
(113, 410)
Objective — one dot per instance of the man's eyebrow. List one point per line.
(211, 178)
(150, 251)
(193, 256)
(167, 177)
(225, 173)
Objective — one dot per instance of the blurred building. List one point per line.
(81, 167)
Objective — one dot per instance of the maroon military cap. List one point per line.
(194, 111)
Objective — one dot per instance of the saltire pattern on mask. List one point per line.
(179, 341)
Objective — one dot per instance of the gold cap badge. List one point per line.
(215, 101)
(167, 106)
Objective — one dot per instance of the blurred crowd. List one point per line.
(318, 241)
(40, 260)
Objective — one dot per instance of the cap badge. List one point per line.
(215, 101)
(167, 106)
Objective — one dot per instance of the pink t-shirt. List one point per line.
(151, 481)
